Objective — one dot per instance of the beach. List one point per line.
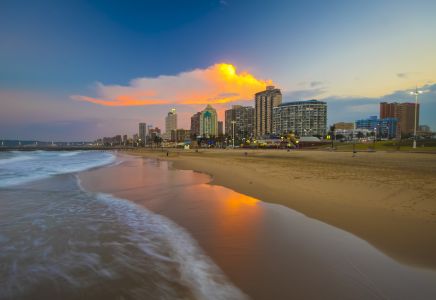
(387, 199)
(106, 225)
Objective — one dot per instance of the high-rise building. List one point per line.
(153, 133)
(243, 116)
(195, 124)
(305, 118)
(265, 101)
(220, 128)
(404, 112)
(170, 122)
(208, 122)
(142, 134)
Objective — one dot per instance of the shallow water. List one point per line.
(59, 241)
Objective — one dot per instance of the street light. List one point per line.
(416, 93)
(375, 135)
(233, 130)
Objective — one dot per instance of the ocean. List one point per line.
(59, 241)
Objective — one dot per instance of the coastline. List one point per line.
(387, 199)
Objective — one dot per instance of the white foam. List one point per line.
(14, 159)
(43, 164)
(70, 153)
(198, 271)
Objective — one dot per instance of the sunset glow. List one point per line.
(218, 84)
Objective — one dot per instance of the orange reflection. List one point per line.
(235, 214)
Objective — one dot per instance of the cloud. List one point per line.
(316, 83)
(409, 75)
(217, 84)
(304, 94)
(402, 75)
(369, 108)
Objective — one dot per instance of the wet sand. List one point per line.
(267, 250)
(388, 199)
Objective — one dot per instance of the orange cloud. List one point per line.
(218, 84)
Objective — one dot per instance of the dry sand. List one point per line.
(388, 199)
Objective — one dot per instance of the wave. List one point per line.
(21, 169)
(70, 153)
(197, 270)
(75, 244)
(14, 159)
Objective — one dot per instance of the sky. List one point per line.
(79, 70)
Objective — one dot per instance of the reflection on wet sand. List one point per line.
(268, 251)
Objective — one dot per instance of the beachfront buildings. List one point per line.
(170, 122)
(381, 128)
(304, 118)
(208, 122)
(265, 102)
(142, 134)
(243, 118)
(180, 135)
(195, 125)
(220, 128)
(153, 133)
(404, 113)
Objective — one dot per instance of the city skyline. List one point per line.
(61, 70)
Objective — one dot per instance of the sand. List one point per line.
(388, 199)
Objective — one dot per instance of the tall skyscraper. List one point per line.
(208, 122)
(195, 124)
(404, 112)
(264, 103)
(305, 118)
(220, 128)
(170, 122)
(244, 121)
(142, 134)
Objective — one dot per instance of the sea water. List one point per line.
(59, 241)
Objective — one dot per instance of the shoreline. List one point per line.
(265, 250)
(386, 199)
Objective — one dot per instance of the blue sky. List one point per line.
(350, 53)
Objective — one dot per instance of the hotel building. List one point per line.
(195, 125)
(142, 134)
(208, 122)
(404, 113)
(170, 122)
(243, 116)
(305, 118)
(265, 101)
